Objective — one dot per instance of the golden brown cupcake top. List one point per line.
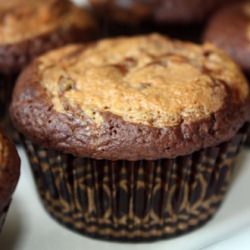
(25, 19)
(147, 80)
(144, 97)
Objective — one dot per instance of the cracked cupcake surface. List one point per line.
(144, 97)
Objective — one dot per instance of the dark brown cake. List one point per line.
(29, 28)
(124, 11)
(170, 11)
(177, 127)
(184, 11)
(181, 19)
(9, 174)
(126, 119)
(128, 19)
(229, 29)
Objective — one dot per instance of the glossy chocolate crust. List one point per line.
(33, 114)
(9, 172)
(14, 57)
(229, 29)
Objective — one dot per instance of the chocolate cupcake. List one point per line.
(9, 174)
(184, 11)
(171, 11)
(229, 29)
(178, 18)
(30, 28)
(132, 138)
(184, 19)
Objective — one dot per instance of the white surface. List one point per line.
(239, 241)
(29, 227)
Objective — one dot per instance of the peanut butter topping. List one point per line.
(149, 80)
(24, 19)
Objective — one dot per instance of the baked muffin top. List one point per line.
(229, 29)
(144, 97)
(24, 19)
(9, 170)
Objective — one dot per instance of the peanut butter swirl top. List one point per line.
(147, 80)
(25, 19)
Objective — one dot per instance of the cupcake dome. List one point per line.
(9, 174)
(145, 97)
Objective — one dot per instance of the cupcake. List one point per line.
(171, 11)
(179, 18)
(132, 139)
(184, 11)
(28, 28)
(229, 30)
(182, 18)
(9, 174)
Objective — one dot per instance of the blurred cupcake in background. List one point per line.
(179, 18)
(184, 19)
(9, 174)
(183, 11)
(229, 29)
(29, 28)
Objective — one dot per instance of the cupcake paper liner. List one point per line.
(134, 201)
